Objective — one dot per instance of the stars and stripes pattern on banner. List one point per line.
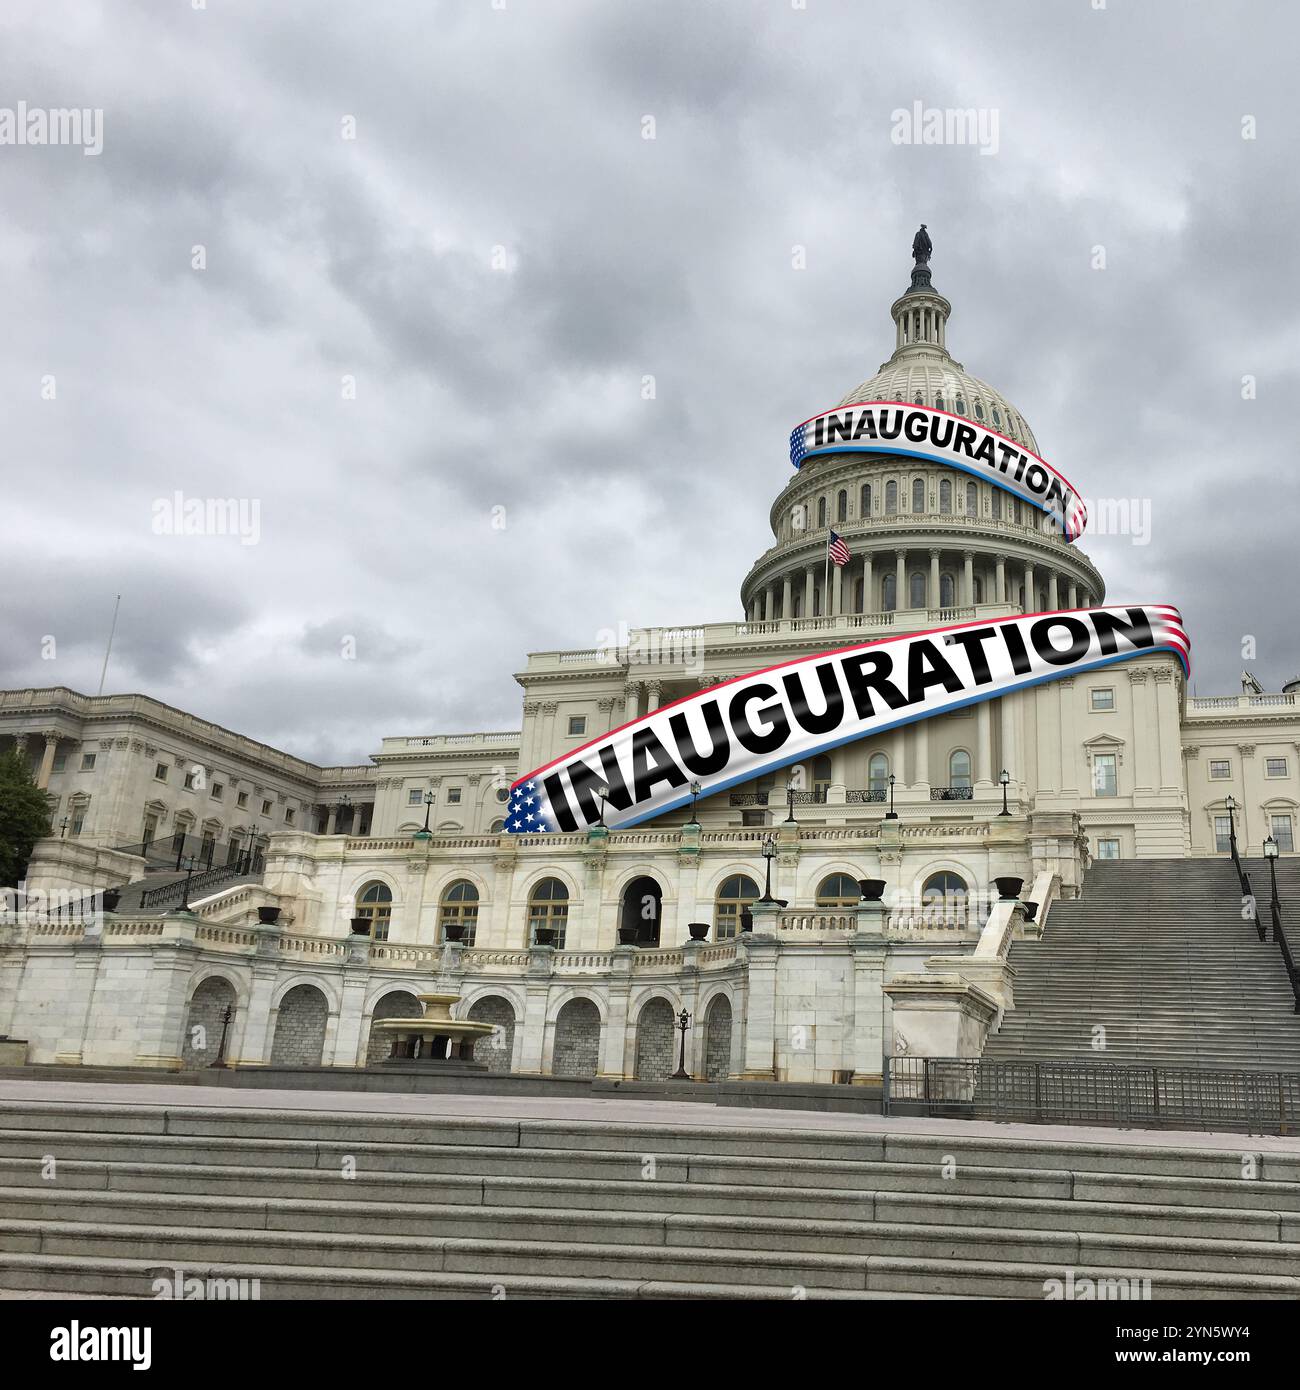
(839, 551)
(527, 810)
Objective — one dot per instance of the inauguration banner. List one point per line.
(752, 725)
(893, 427)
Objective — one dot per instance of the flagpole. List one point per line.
(108, 650)
(826, 580)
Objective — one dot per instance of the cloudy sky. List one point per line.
(499, 257)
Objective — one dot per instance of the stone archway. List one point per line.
(300, 1028)
(202, 1038)
(498, 1049)
(642, 909)
(654, 1041)
(577, 1040)
(400, 1003)
(717, 1039)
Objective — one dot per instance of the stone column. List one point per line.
(785, 597)
(632, 701)
(901, 599)
(1053, 598)
(809, 580)
(47, 759)
(652, 695)
(1029, 588)
(867, 600)
(349, 1045)
(866, 1044)
(1072, 596)
(330, 829)
(921, 754)
(984, 743)
(253, 1042)
(836, 605)
(1010, 741)
(933, 593)
(1000, 589)
(614, 1037)
(761, 948)
(968, 578)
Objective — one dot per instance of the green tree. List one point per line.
(24, 816)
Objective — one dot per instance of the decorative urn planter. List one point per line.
(545, 936)
(111, 899)
(360, 926)
(627, 936)
(1030, 910)
(454, 931)
(1009, 887)
(269, 916)
(699, 930)
(873, 889)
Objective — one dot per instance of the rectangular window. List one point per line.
(78, 820)
(1274, 767)
(242, 799)
(414, 797)
(1107, 849)
(1105, 780)
(189, 781)
(60, 761)
(217, 789)
(1103, 697)
(1223, 834)
(1220, 769)
(288, 815)
(1282, 833)
(160, 772)
(266, 808)
(577, 725)
(453, 796)
(87, 762)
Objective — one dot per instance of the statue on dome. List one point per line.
(922, 246)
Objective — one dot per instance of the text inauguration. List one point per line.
(754, 724)
(893, 427)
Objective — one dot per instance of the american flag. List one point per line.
(839, 551)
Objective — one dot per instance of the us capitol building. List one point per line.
(316, 903)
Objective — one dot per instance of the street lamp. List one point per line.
(769, 851)
(602, 791)
(1004, 777)
(226, 1015)
(683, 1023)
(1270, 853)
(425, 834)
(185, 889)
(891, 814)
(789, 801)
(63, 828)
(696, 789)
(1230, 805)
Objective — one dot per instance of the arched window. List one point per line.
(548, 906)
(938, 401)
(959, 768)
(918, 494)
(889, 594)
(979, 411)
(945, 496)
(891, 498)
(842, 505)
(735, 895)
(821, 511)
(972, 500)
(459, 907)
(916, 590)
(997, 419)
(947, 591)
(997, 504)
(878, 773)
(497, 827)
(944, 889)
(961, 405)
(821, 777)
(375, 903)
(864, 503)
(920, 399)
(839, 890)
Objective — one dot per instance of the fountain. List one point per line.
(435, 1040)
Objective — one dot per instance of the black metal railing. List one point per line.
(1283, 945)
(173, 851)
(1093, 1093)
(182, 888)
(951, 793)
(866, 795)
(1243, 879)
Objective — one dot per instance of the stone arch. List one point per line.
(300, 1024)
(641, 906)
(397, 1003)
(499, 1049)
(717, 1038)
(655, 1026)
(577, 1039)
(207, 1005)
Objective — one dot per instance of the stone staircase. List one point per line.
(1157, 953)
(455, 1205)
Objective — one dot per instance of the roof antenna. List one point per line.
(116, 604)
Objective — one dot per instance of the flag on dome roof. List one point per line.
(839, 550)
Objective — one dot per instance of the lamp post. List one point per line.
(1230, 805)
(769, 852)
(683, 1023)
(63, 828)
(185, 889)
(426, 833)
(221, 1046)
(696, 789)
(891, 814)
(1005, 778)
(602, 791)
(1270, 853)
(345, 809)
(789, 801)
